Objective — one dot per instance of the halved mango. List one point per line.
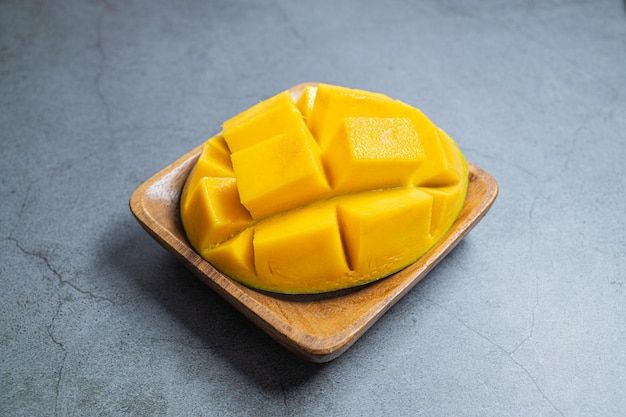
(333, 189)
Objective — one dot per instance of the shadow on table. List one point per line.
(215, 325)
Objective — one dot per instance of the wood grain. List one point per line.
(317, 327)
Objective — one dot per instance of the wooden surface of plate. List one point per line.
(317, 327)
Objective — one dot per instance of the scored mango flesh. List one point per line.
(327, 190)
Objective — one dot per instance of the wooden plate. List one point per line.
(317, 327)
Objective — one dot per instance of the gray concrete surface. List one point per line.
(526, 317)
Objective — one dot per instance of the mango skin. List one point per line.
(335, 189)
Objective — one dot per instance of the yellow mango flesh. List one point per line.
(334, 189)
(280, 173)
(262, 121)
(306, 101)
(373, 152)
(367, 220)
(333, 104)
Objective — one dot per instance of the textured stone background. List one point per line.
(526, 317)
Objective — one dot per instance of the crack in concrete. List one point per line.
(47, 175)
(283, 389)
(531, 245)
(509, 354)
(100, 72)
(22, 209)
(58, 343)
(51, 326)
(568, 153)
(531, 318)
(281, 385)
(61, 281)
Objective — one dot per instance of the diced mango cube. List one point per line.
(445, 205)
(448, 198)
(235, 257)
(212, 211)
(456, 168)
(301, 252)
(384, 229)
(214, 161)
(216, 152)
(373, 152)
(262, 121)
(333, 103)
(280, 173)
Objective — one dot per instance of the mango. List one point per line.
(332, 189)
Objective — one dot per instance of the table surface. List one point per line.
(526, 317)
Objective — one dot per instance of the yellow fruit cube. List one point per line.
(211, 211)
(280, 173)
(449, 196)
(262, 121)
(234, 257)
(333, 103)
(214, 161)
(373, 152)
(384, 229)
(301, 252)
(455, 165)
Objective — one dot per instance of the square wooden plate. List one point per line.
(317, 327)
